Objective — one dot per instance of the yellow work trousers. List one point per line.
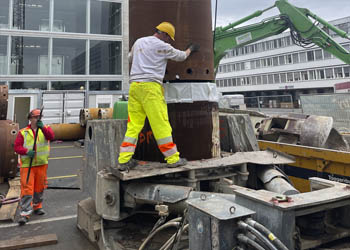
(147, 99)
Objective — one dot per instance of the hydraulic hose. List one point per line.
(150, 236)
(245, 226)
(276, 241)
(256, 239)
(169, 242)
(244, 239)
(5, 201)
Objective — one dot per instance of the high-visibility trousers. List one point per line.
(147, 99)
(32, 192)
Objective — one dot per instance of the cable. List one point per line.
(5, 201)
(150, 236)
(170, 241)
(245, 226)
(179, 232)
(216, 12)
(276, 241)
(244, 239)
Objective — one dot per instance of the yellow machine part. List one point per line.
(68, 131)
(312, 162)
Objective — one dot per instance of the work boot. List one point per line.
(127, 166)
(23, 220)
(179, 163)
(39, 211)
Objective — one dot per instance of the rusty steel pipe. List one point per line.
(87, 114)
(192, 21)
(106, 113)
(3, 101)
(9, 160)
(68, 131)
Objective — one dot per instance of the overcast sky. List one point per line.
(229, 11)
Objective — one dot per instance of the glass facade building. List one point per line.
(276, 66)
(64, 44)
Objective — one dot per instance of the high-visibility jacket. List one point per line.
(42, 148)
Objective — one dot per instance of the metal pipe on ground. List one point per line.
(106, 113)
(276, 181)
(87, 114)
(68, 131)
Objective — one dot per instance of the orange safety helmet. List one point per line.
(34, 113)
(167, 28)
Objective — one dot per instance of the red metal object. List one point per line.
(3, 101)
(192, 21)
(8, 158)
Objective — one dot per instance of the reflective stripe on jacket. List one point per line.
(42, 148)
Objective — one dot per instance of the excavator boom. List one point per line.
(304, 31)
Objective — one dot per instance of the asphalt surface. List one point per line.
(60, 204)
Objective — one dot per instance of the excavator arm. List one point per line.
(304, 31)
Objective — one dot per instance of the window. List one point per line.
(269, 62)
(238, 80)
(234, 82)
(302, 57)
(254, 80)
(31, 15)
(295, 57)
(263, 62)
(320, 74)
(282, 60)
(288, 59)
(238, 66)
(270, 79)
(318, 54)
(257, 63)
(252, 64)
(264, 79)
(338, 72)
(69, 56)
(4, 14)
(70, 16)
(329, 73)
(296, 76)
(347, 71)
(276, 78)
(105, 18)
(275, 61)
(258, 80)
(105, 57)
(60, 85)
(312, 74)
(290, 77)
(310, 56)
(327, 55)
(283, 77)
(3, 55)
(28, 85)
(304, 76)
(27, 55)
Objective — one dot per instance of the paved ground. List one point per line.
(60, 204)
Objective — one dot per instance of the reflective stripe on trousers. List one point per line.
(32, 193)
(147, 99)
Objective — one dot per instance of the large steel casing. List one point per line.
(8, 158)
(192, 21)
(3, 101)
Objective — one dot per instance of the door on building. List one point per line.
(62, 107)
(21, 110)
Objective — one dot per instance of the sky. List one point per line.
(229, 11)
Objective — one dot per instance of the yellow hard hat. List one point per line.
(167, 28)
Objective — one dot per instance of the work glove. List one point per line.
(193, 47)
(31, 153)
(40, 124)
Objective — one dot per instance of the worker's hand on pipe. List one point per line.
(193, 47)
(40, 124)
(31, 153)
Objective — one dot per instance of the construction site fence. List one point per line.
(273, 102)
(334, 105)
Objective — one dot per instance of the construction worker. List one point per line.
(149, 56)
(32, 192)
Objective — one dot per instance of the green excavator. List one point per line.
(301, 22)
